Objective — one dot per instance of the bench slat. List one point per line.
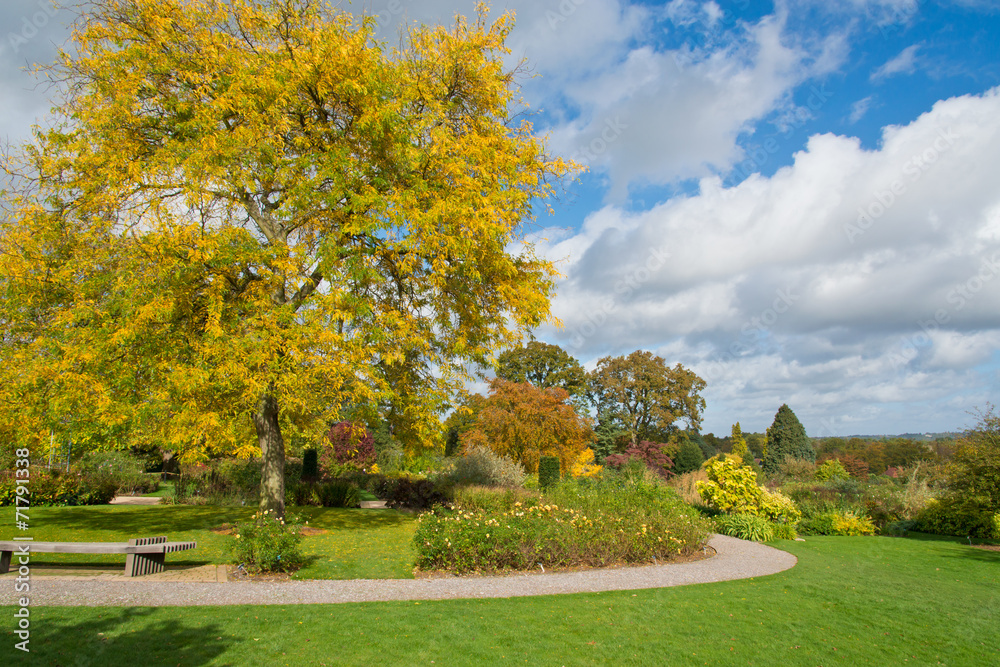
(145, 555)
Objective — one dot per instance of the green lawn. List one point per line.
(360, 544)
(870, 601)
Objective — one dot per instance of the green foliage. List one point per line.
(689, 458)
(732, 488)
(548, 471)
(481, 466)
(590, 523)
(267, 543)
(410, 492)
(786, 438)
(975, 470)
(831, 469)
(746, 527)
(609, 437)
(845, 523)
(339, 493)
(954, 515)
(739, 442)
(543, 365)
(55, 488)
(121, 468)
(220, 482)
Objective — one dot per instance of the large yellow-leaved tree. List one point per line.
(252, 215)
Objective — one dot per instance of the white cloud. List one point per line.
(661, 116)
(904, 63)
(859, 109)
(847, 275)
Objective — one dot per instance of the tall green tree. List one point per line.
(786, 438)
(252, 214)
(646, 396)
(543, 365)
(739, 443)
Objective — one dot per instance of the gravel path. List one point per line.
(735, 559)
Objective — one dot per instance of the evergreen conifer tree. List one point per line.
(739, 443)
(786, 438)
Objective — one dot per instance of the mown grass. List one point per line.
(867, 601)
(358, 544)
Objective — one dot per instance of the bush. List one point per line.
(267, 544)
(831, 469)
(482, 467)
(962, 517)
(339, 493)
(220, 482)
(652, 454)
(54, 489)
(410, 493)
(121, 468)
(846, 523)
(745, 527)
(491, 498)
(347, 445)
(733, 489)
(548, 471)
(576, 523)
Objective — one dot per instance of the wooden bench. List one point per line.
(145, 555)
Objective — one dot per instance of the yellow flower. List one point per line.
(237, 536)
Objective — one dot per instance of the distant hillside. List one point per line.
(928, 437)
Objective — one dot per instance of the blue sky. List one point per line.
(797, 200)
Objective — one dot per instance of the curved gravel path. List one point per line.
(735, 559)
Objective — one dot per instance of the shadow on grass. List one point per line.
(143, 520)
(121, 636)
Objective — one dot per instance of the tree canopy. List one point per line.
(251, 215)
(646, 396)
(524, 422)
(543, 365)
(786, 438)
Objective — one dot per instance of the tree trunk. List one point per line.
(272, 450)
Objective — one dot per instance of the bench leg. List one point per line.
(5, 561)
(137, 565)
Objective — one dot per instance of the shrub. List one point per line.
(548, 471)
(220, 482)
(481, 466)
(267, 544)
(302, 493)
(831, 469)
(411, 493)
(54, 488)
(491, 498)
(347, 445)
(652, 454)
(121, 468)
(745, 527)
(847, 523)
(339, 493)
(954, 515)
(576, 523)
(796, 469)
(733, 489)
(585, 465)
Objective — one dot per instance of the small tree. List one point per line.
(739, 443)
(348, 445)
(652, 454)
(689, 457)
(522, 422)
(786, 438)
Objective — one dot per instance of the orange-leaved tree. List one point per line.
(252, 215)
(524, 422)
